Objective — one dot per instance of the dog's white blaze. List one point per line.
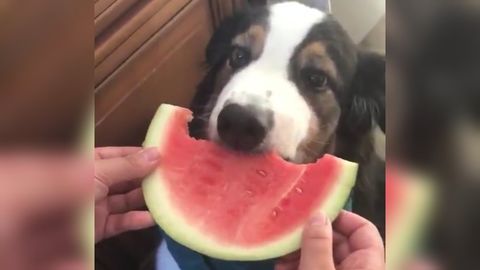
(265, 82)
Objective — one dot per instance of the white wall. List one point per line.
(358, 17)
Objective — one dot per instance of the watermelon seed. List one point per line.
(275, 211)
(298, 190)
(262, 173)
(249, 193)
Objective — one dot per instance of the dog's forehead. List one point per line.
(288, 25)
(294, 15)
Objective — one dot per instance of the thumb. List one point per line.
(317, 244)
(120, 169)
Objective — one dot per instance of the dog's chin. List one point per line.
(299, 158)
(263, 148)
(259, 150)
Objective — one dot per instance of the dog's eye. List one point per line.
(239, 58)
(316, 80)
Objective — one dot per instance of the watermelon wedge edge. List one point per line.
(156, 197)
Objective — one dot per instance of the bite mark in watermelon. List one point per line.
(236, 206)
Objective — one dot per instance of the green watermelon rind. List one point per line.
(172, 222)
(402, 241)
(86, 224)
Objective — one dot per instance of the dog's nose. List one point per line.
(242, 127)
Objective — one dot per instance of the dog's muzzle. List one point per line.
(243, 127)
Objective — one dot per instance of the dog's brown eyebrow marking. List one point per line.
(315, 54)
(253, 38)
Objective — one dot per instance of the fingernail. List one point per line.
(319, 219)
(150, 154)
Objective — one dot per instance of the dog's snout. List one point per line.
(242, 127)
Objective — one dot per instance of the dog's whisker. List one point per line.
(318, 141)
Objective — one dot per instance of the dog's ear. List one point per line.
(221, 42)
(365, 104)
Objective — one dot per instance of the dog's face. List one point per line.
(281, 79)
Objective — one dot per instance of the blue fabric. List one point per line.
(349, 205)
(164, 259)
(187, 259)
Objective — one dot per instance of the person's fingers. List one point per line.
(113, 151)
(338, 238)
(341, 247)
(121, 203)
(115, 170)
(120, 169)
(48, 242)
(360, 232)
(41, 194)
(347, 223)
(39, 183)
(134, 220)
(70, 264)
(317, 244)
(124, 187)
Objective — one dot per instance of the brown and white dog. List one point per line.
(288, 78)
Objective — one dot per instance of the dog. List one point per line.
(287, 78)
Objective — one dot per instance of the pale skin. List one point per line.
(41, 194)
(349, 243)
(119, 203)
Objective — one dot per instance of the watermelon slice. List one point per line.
(231, 205)
(408, 205)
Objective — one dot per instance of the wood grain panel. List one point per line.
(125, 26)
(118, 48)
(118, 8)
(166, 69)
(101, 5)
(223, 8)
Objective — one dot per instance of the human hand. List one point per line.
(354, 243)
(41, 197)
(119, 203)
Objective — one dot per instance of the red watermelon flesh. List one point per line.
(395, 190)
(233, 205)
